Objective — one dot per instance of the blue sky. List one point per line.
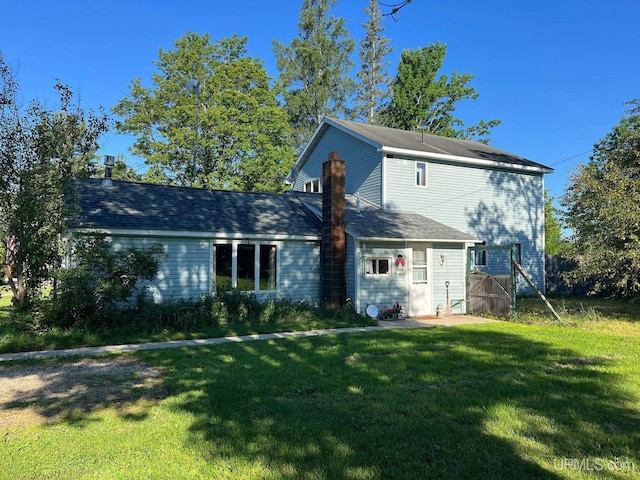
(555, 72)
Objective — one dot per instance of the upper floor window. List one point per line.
(421, 174)
(312, 186)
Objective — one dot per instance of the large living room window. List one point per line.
(245, 267)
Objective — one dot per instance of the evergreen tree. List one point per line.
(314, 69)
(373, 79)
(554, 243)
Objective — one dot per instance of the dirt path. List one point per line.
(31, 395)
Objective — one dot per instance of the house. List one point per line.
(377, 215)
(491, 195)
(265, 243)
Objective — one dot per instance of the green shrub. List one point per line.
(90, 292)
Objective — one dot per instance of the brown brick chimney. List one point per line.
(333, 235)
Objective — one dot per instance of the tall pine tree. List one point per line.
(314, 69)
(373, 79)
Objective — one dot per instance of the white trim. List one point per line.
(357, 260)
(350, 132)
(464, 278)
(314, 182)
(425, 177)
(465, 160)
(256, 263)
(417, 240)
(377, 258)
(212, 269)
(383, 182)
(190, 234)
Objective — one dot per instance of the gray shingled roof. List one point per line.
(144, 206)
(416, 141)
(374, 222)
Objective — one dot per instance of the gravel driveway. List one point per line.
(32, 395)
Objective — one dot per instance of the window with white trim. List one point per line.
(421, 174)
(312, 186)
(420, 265)
(246, 267)
(377, 266)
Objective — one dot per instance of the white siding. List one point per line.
(350, 271)
(498, 206)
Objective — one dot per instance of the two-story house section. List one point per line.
(487, 193)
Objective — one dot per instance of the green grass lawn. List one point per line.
(501, 400)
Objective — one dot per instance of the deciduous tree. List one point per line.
(41, 152)
(244, 139)
(602, 204)
(423, 101)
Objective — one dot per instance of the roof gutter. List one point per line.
(192, 234)
(465, 160)
(416, 240)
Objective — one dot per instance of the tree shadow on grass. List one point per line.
(70, 391)
(436, 403)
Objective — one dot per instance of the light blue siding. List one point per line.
(382, 291)
(498, 206)
(451, 268)
(362, 165)
(300, 271)
(187, 272)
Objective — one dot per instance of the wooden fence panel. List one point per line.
(489, 294)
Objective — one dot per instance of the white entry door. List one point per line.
(420, 292)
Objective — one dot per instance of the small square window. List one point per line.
(480, 258)
(421, 174)
(377, 266)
